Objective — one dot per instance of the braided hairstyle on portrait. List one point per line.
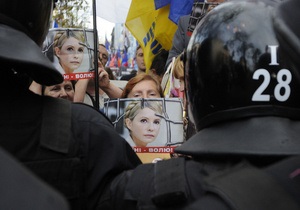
(133, 108)
(61, 36)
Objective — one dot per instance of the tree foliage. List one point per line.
(72, 13)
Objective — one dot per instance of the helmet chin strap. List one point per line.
(12, 23)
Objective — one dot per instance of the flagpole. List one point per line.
(96, 56)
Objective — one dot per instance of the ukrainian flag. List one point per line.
(149, 22)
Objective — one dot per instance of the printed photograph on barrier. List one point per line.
(71, 51)
(153, 127)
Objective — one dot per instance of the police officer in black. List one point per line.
(21, 189)
(243, 96)
(72, 147)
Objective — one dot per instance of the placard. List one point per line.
(71, 51)
(153, 127)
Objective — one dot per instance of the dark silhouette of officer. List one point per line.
(243, 97)
(71, 147)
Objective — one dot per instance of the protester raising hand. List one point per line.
(103, 76)
(104, 83)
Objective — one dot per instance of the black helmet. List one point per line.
(238, 80)
(24, 26)
(287, 29)
(30, 16)
(235, 67)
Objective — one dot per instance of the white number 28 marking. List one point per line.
(284, 77)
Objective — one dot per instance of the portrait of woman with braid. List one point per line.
(69, 49)
(143, 121)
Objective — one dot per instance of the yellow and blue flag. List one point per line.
(154, 22)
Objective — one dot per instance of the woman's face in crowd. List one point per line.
(144, 127)
(70, 55)
(64, 90)
(144, 89)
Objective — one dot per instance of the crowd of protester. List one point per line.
(240, 151)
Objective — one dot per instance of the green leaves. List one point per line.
(72, 13)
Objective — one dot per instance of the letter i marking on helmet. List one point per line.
(273, 49)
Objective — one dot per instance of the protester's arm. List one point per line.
(80, 90)
(104, 83)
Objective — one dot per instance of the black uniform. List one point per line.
(73, 147)
(243, 97)
(20, 189)
(80, 167)
(197, 181)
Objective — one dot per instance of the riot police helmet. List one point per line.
(235, 67)
(243, 95)
(24, 26)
